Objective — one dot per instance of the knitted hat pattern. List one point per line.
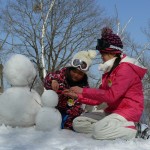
(114, 43)
(111, 38)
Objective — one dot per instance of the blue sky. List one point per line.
(139, 10)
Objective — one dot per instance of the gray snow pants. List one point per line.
(105, 127)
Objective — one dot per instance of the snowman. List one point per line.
(19, 104)
(48, 118)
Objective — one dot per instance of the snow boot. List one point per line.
(143, 131)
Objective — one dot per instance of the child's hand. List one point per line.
(55, 85)
(76, 89)
(70, 93)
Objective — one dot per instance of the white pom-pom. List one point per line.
(49, 98)
(92, 53)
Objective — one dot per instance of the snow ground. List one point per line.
(30, 139)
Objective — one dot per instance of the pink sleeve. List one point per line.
(87, 100)
(119, 87)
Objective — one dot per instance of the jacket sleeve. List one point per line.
(58, 76)
(76, 110)
(124, 78)
(88, 101)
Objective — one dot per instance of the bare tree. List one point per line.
(43, 35)
(3, 40)
(71, 26)
(145, 61)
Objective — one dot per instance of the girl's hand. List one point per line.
(55, 85)
(70, 93)
(76, 89)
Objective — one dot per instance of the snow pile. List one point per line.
(29, 138)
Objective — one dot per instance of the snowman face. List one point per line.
(19, 70)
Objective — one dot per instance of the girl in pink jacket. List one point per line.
(121, 89)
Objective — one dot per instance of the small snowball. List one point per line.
(49, 98)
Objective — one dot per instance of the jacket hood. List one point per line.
(135, 65)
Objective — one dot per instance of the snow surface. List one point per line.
(31, 139)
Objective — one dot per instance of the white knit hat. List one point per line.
(85, 56)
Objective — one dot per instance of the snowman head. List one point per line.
(49, 98)
(19, 70)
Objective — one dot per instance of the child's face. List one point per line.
(107, 56)
(76, 75)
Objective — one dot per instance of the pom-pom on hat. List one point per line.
(109, 42)
(83, 59)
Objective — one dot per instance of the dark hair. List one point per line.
(83, 82)
(116, 63)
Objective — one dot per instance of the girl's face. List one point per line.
(76, 75)
(107, 56)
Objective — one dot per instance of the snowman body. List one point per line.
(49, 118)
(19, 104)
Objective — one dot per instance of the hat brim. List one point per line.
(110, 50)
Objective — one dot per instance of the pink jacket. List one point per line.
(122, 90)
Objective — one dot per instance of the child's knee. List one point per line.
(78, 123)
(83, 124)
(100, 130)
(112, 129)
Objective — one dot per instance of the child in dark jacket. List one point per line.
(67, 77)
